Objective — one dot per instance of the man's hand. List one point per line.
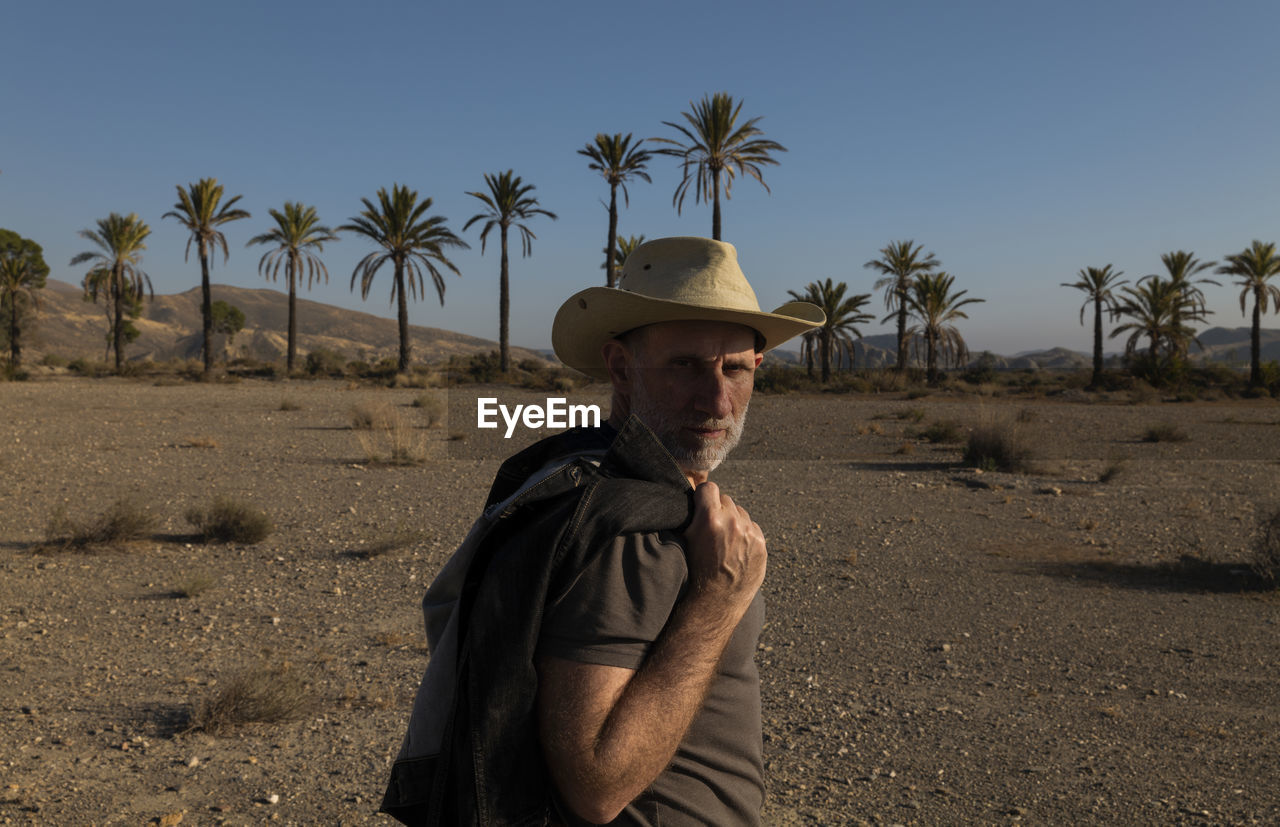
(725, 549)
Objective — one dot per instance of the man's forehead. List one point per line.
(702, 336)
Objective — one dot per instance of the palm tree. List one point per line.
(411, 241)
(835, 337)
(118, 260)
(509, 202)
(1098, 285)
(22, 272)
(1255, 266)
(936, 307)
(613, 157)
(200, 211)
(1182, 266)
(622, 251)
(1161, 310)
(900, 263)
(298, 231)
(717, 149)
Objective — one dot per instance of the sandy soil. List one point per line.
(943, 646)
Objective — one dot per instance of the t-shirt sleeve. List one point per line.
(616, 607)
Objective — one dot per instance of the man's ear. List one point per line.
(759, 358)
(618, 361)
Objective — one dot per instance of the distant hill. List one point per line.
(171, 329)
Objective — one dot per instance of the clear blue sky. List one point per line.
(1019, 141)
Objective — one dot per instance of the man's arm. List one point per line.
(607, 732)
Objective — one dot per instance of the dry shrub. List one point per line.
(432, 407)
(199, 442)
(1164, 432)
(940, 431)
(1115, 469)
(288, 404)
(399, 443)
(1266, 549)
(228, 520)
(372, 417)
(123, 522)
(996, 446)
(264, 694)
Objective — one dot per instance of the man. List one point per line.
(647, 701)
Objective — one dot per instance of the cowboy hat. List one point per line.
(667, 280)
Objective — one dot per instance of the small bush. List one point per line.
(266, 694)
(325, 362)
(54, 360)
(229, 520)
(432, 407)
(287, 404)
(398, 443)
(372, 417)
(996, 447)
(1115, 470)
(88, 367)
(1266, 549)
(1164, 432)
(124, 522)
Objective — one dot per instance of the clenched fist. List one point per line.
(724, 547)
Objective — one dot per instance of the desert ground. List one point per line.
(1081, 643)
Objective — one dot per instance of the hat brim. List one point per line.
(593, 316)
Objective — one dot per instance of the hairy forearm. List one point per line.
(604, 755)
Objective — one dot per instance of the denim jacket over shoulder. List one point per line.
(472, 754)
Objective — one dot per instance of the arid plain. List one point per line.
(1082, 643)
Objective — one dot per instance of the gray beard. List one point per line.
(691, 453)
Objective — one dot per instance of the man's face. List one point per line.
(692, 385)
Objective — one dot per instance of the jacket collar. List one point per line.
(637, 453)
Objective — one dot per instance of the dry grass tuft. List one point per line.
(288, 404)
(265, 694)
(228, 520)
(432, 407)
(997, 446)
(123, 522)
(399, 443)
(1266, 549)
(194, 585)
(199, 442)
(939, 432)
(1116, 469)
(372, 417)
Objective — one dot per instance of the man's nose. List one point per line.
(713, 395)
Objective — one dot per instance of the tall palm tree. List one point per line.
(1098, 285)
(1255, 267)
(412, 241)
(508, 203)
(1160, 310)
(617, 160)
(23, 271)
(298, 232)
(836, 336)
(933, 304)
(201, 211)
(1182, 268)
(715, 150)
(624, 248)
(118, 259)
(900, 263)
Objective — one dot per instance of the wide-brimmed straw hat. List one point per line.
(668, 280)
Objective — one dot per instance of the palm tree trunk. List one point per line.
(402, 316)
(902, 330)
(117, 334)
(826, 356)
(715, 203)
(1255, 340)
(15, 351)
(610, 278)
(293, 319)
(931, 358)
(206, 310)
(504, 310)
(1097, 343)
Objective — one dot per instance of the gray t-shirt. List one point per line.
(610, 615)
